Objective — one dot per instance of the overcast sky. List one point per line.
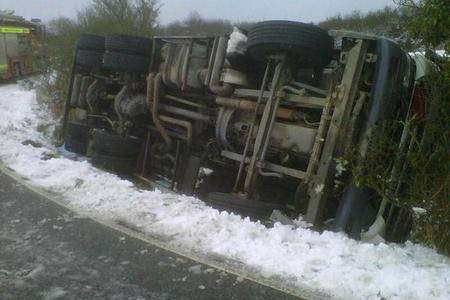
(235, 10)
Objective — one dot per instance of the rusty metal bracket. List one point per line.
(341, 115)
(265, 128)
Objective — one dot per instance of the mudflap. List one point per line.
(189, 179)
(244, 207)
(353, 211)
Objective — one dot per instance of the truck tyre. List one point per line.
(106, 143)
(122, 62)
(307, 45)
(91, 42)
(89, 59)
(76, 138)
(113, 163)
(128, 44)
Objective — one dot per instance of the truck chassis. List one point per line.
(249, 122)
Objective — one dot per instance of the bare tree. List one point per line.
(120, 16)
(194, 24)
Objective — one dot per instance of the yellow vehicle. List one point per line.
(17, 37)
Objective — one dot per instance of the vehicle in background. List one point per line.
(250, 122)
(17, 39)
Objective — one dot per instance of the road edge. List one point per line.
(301, 292)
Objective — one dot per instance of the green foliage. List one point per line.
(376, 167)
(422, 177)
(195, 25)
(430, 21)
(385, 22)
(429, 185)
(422, 167)
(59, 48)
(136, 17)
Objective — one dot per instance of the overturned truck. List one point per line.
(250, 122)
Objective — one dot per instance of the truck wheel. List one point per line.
(128, 44)
(91, 42)
(105, 143)
(89, 59)
(307, 45)
(122, 62)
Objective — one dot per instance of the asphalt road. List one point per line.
(48, 252)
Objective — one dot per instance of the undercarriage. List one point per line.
(250, 122)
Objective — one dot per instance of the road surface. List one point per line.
(49, 252)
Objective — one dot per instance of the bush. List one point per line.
(430, 180)
(421, 183)
(429, 183)
(385, 22)
(194, 24)
(429, 22)
(425, 175)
